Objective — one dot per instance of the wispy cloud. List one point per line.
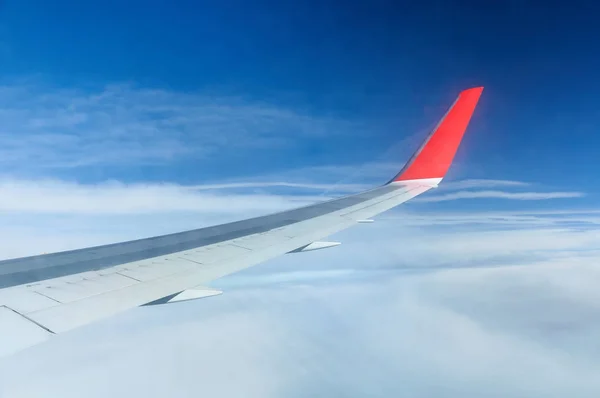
(124, 124)
(113, 197)
(271, 184)
(500, 195)
(59, 197)
(515, 218)
(61, 215)
(480, 183)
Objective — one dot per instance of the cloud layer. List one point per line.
(424, 302)
(436, 312)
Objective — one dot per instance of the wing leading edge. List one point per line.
(53, 293)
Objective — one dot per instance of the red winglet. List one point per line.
(434, 157)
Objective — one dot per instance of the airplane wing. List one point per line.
(49, 294)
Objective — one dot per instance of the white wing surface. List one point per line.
(48, 294)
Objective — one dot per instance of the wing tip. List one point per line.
(473, 89)
(434, 157)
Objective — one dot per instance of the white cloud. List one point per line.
(270, 184)
(59, 215)
(516, 219)
(112, 197)
(56, 197)
(505, 331)
(500, 195)
(480, 183)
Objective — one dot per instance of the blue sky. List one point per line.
(389, 68)
(127, 119)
